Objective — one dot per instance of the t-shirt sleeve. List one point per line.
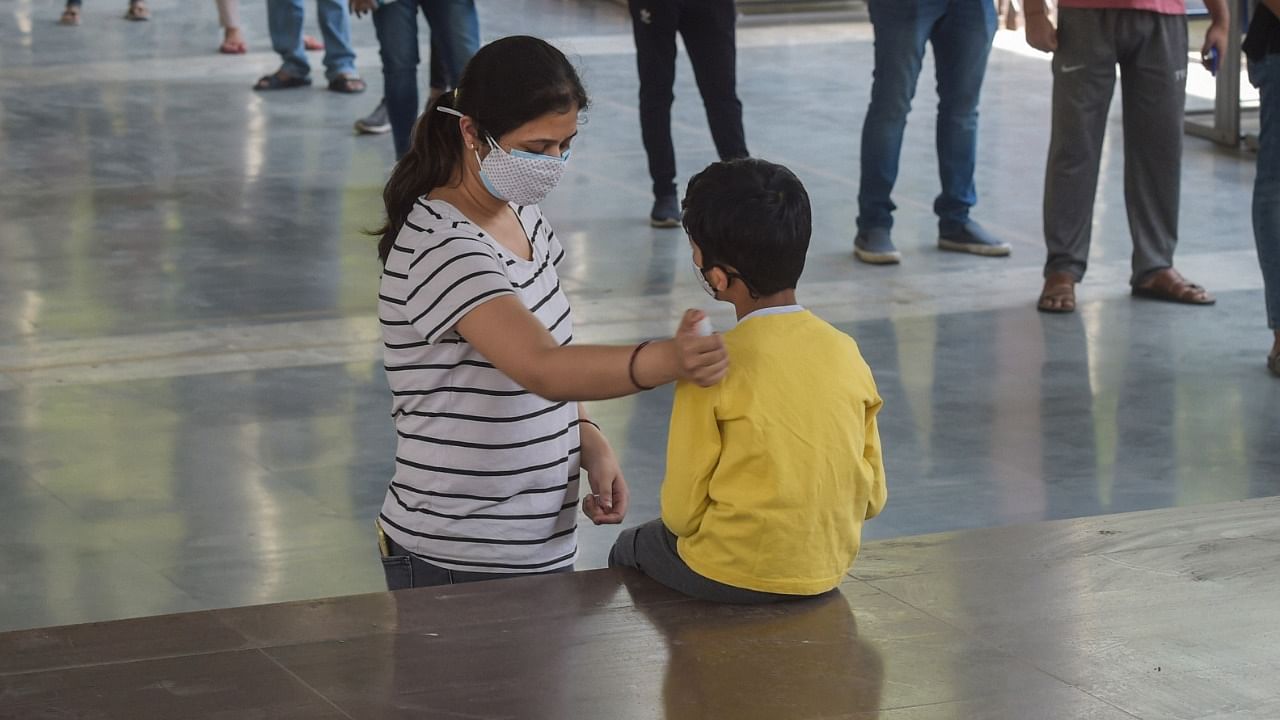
(446, 282)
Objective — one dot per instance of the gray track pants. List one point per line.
(1151, 50)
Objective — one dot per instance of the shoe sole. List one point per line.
(373, 129)
(877, 258)
(973, 248)
(664, 223)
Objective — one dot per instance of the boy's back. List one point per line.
(771, 473)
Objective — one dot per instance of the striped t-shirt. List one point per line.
(486, 475)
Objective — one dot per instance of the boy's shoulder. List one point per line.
(802, 335)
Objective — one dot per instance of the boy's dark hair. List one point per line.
(754, 216)
(508, 83)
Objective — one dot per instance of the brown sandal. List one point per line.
(1059, 294)
(138, 11)
(1168, 285)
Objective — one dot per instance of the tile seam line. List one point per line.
(305, 684)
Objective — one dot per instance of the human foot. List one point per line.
(1059, 293)
(1168, 285)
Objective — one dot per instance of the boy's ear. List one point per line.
(719, 279)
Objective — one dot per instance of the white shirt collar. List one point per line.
(779, 310)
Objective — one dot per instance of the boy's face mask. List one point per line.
(702, 279)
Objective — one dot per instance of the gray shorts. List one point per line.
(651, 549)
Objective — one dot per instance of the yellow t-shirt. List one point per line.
(771, 473)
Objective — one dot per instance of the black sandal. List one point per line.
(280, 80)
(347, 84)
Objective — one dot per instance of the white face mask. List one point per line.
(520, 177)
(702, 280)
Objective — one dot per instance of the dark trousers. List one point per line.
(1151, 50)
(651, 549)
(708, 29)
(405, 570)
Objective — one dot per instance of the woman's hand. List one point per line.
(702, 359)
(607, 503)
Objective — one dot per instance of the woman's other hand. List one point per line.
(607, 503)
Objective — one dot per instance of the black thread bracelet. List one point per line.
(631, 366)
(592, 423)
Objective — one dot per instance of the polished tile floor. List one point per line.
(192, 407)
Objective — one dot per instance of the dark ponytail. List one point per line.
(508, 83)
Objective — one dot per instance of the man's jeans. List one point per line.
(284, 19)
(1265, 75)
(455, 28)
(961, 32)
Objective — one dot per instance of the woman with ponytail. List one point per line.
(477, 333)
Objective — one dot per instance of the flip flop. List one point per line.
(1059, 287)
(230, 48)
(280, 81)
(310, 43)
(1169, 286)
(70, 16)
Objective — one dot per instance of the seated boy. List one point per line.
(771, 473)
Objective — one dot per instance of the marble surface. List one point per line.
(1156, 615)
(192, 407)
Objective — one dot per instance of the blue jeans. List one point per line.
(284, 20)
(961, 32)
(1265, 75)
(455, 37)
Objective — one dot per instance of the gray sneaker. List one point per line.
(376, 123)
(874, 246)
(973, 238)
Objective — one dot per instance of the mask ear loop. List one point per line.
(456, 113)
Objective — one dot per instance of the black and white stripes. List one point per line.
(486, 473)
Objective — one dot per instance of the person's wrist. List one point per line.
(656, 364)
